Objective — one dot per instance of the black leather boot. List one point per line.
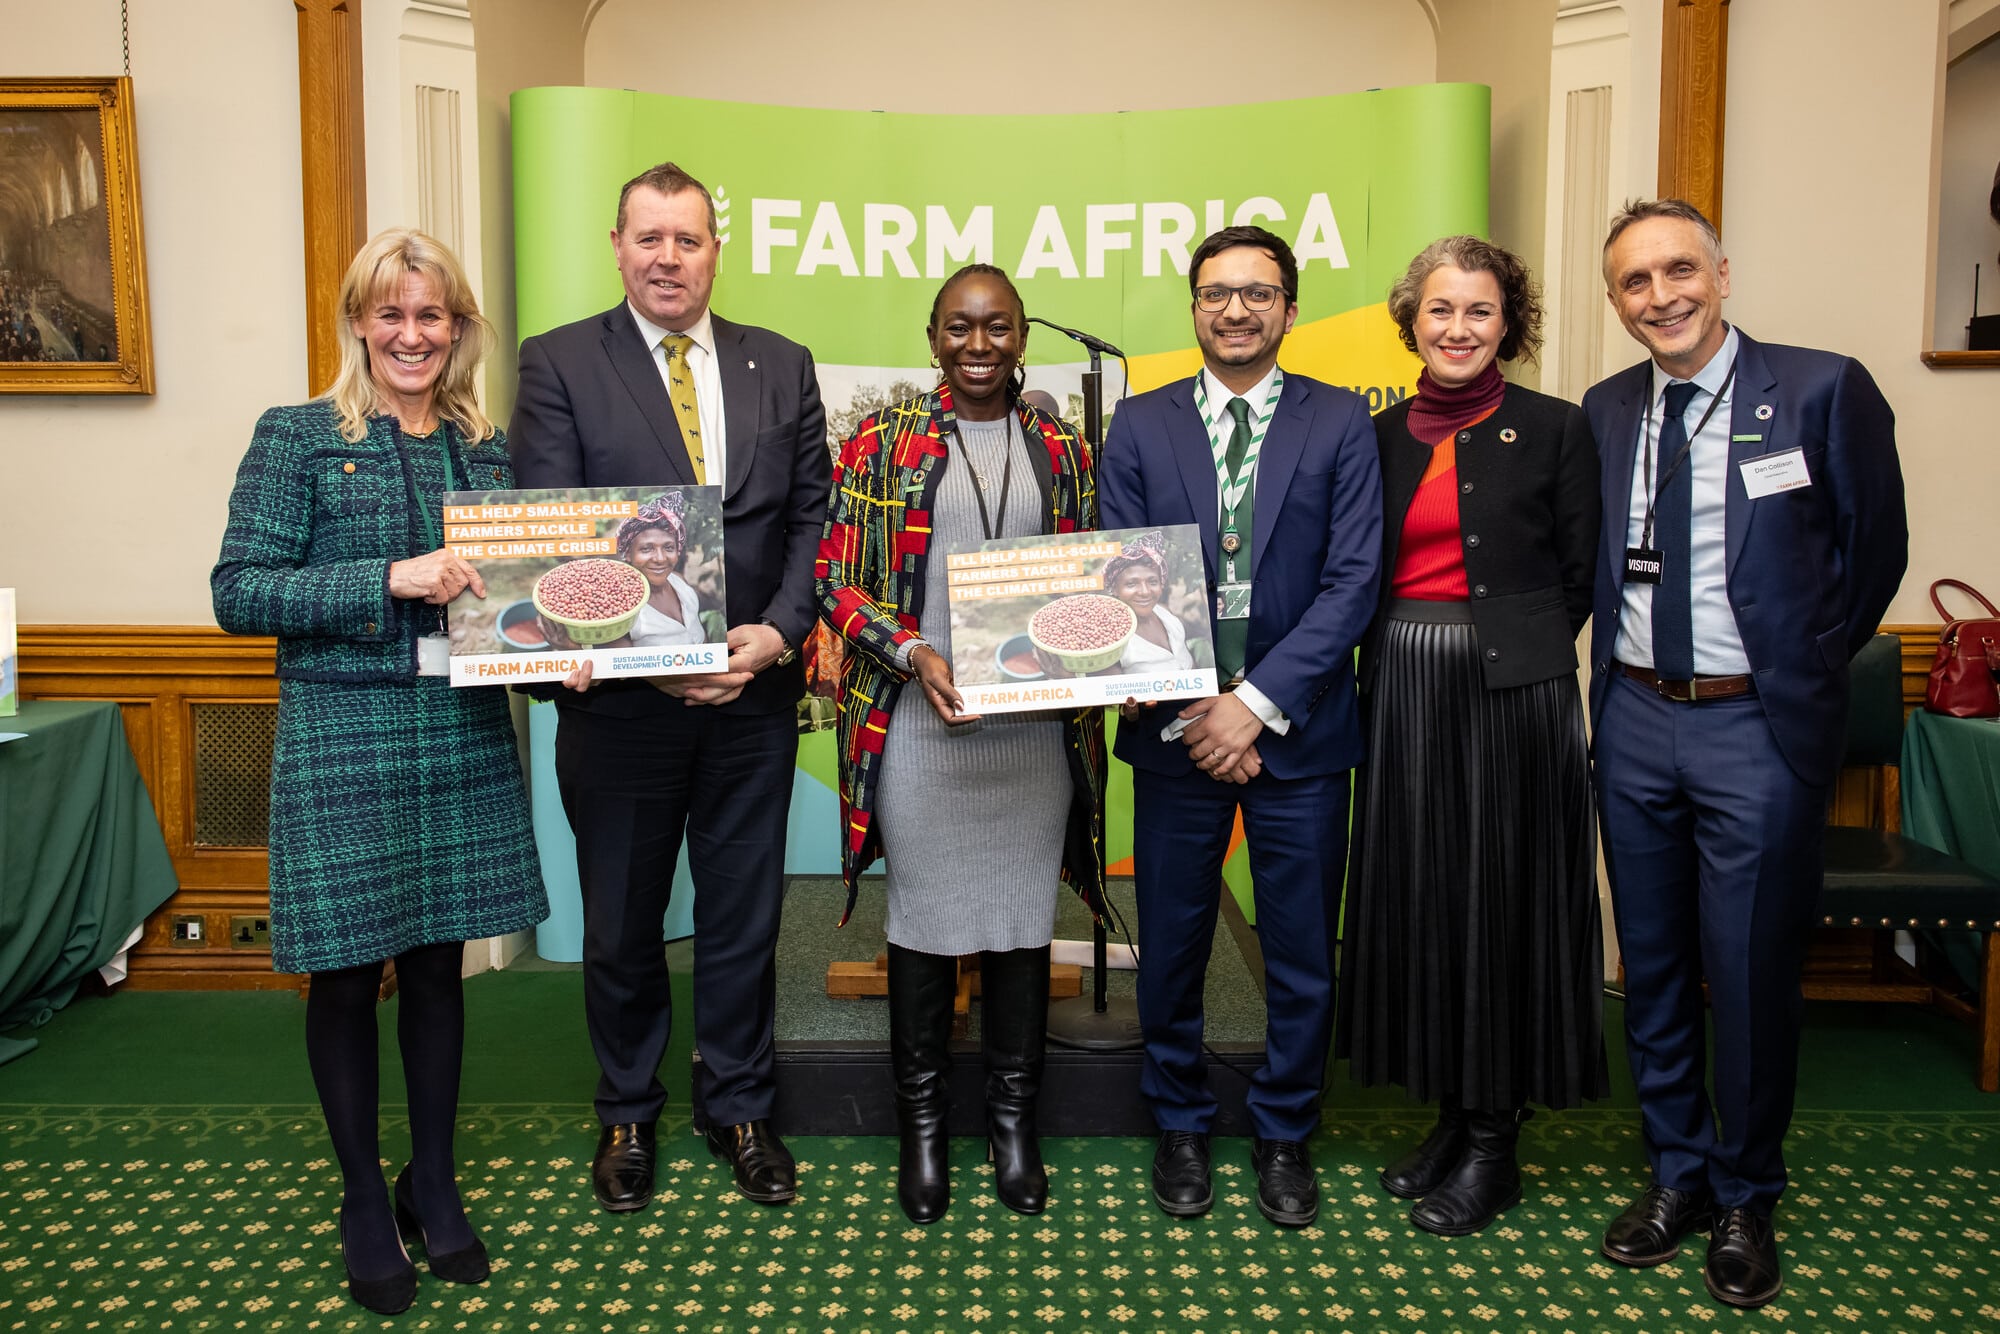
(921, 989)
(1014, 1019)
(1486, 1180)
(1424, 1168)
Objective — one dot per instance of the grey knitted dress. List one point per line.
(972, 817)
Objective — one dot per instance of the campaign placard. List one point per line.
(628, 579)
(10, 665)
(1078, 619)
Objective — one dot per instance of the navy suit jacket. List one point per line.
(1809, 571)
(591, 411)
(1315, 553)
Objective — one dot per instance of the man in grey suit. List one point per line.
(658, 391)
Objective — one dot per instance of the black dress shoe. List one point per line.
(621, 1174)
(1649, 1232)
(1287, 1190)
(764, 1168)
(388, 1294)
(1742, 1267)
(1180, 1174)
(1421, 1170)
(468, 1264)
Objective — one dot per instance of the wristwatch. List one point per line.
(790, 655)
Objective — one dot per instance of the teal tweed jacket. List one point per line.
(315, 522)
(870, 581)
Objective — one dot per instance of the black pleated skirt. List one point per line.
(1472, 964)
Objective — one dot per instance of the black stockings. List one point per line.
(341, 1046)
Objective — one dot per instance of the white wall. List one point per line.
(1827, 215)
(1026, 56)
(215, 88)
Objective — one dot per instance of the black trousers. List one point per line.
(632, 788)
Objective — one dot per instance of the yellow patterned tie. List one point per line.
(680, 388)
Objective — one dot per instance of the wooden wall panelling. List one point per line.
(158, 676)
(1694, 63)
(331, 168)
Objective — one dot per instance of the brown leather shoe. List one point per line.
(763, 1165)
(1742, 1267)
(1649, 1232)
(621, 1173)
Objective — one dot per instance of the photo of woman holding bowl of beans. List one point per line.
(654, 541)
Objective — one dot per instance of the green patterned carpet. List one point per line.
(119, 1215)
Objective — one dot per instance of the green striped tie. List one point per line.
(1232, 638)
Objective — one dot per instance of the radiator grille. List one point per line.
(232, 774)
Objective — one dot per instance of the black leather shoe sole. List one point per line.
(1184, 1208)
(628, 1204)
(1631, 1261)
(1287, 1218)
(1400, 1191)
(1743, 1301)
(1441, 1229)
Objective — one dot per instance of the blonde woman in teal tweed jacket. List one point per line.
(399, 827)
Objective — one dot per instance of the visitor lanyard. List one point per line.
(1233, 486)
(1646, 434)
(986, 523)
(434, 514)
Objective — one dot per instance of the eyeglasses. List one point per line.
(1257, 297)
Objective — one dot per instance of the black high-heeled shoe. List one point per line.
(388, 1295)
(466, 1265)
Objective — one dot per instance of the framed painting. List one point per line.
(73, 316)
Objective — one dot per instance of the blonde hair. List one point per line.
(377, 272)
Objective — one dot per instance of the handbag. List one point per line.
(1968, 654)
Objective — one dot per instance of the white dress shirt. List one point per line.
(707, 385)
(1718, 646)
(1219, 395)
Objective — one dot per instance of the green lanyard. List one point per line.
(434, 514)
(1233, 486)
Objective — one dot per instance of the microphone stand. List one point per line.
(1096, 1022)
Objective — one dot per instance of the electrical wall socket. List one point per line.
(248, 932)
(188, 931)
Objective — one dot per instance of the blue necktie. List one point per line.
(1673, 518)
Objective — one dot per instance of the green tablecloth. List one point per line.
(82, 860)
(1951, 786)
(1951, 802)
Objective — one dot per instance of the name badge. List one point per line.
(1768, 474)
(1642, 565)
(1232, 600)
(434, 655)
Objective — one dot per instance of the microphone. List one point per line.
(1091, 341)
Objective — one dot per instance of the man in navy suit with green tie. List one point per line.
(1279, 473)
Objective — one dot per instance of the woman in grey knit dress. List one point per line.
(980, 820)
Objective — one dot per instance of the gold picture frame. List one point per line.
(73, 315)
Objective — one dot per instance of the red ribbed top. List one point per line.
(1430, 557)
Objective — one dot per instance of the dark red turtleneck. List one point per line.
(1430, 557)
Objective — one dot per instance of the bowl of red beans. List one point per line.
(595, 600)
(1085, 632)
